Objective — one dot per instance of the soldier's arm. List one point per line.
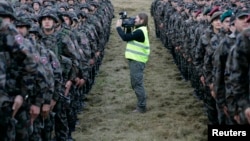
(219, 64)
(240, 73)
(57, 71)
(86, 55)
(199, 56)
(39, 94)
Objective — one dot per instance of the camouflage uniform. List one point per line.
(201, 50)
(64, 48)
(220, 74)
(237, 99)
(17, 62)
(44, 126)
(38, 86)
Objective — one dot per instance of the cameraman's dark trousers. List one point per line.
(136, 77)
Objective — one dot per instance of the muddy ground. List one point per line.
(174, 114)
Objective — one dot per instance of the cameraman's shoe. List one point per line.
(139, 110)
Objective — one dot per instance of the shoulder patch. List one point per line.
(55, 64)
(19, 38)
(44, 60)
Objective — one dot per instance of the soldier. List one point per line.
(70, 19)
(87, 27)
(44, 124)
(18, 63)
(41, 81)
(37, 6)
(235, 82)
(63, 7)
(64, 49)
(219, 63)
(203, 62)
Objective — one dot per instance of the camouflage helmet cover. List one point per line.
(48, 13)
(6, 9)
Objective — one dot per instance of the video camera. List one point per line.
(127, 21)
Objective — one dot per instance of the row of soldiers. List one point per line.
(209, 42)
(47, 66)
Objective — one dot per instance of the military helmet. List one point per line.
(26, 7)
(96, 4)
(36, 1)
(6, 9)
(82, 14)
(85, 5)
(48, 13)
(36, 30)
(23, 19)
(63, 5)
(48, 4)
(71, 15)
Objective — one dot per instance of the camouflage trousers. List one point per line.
(61, 121)
(14, 128)
(7, 123)
(23, 126)
(210, 107)
(72, 109)
(43, 128)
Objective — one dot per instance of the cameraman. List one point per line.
(137, 53)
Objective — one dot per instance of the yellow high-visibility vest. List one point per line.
(138, 51)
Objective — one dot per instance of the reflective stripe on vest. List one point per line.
(139, 51)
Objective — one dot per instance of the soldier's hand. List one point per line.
(184, 55)
(45, 110)
(52, 104)
(82, 82)
(202, 79)
(211, 87)
(97, 54)
(225, 110)
(92, 62)
(176, 48)
(213, 94)
(161, 25)
(77, 81)
(18, 102)
(247, 114)
(237, 118)
(34, 112)
(67, 87)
